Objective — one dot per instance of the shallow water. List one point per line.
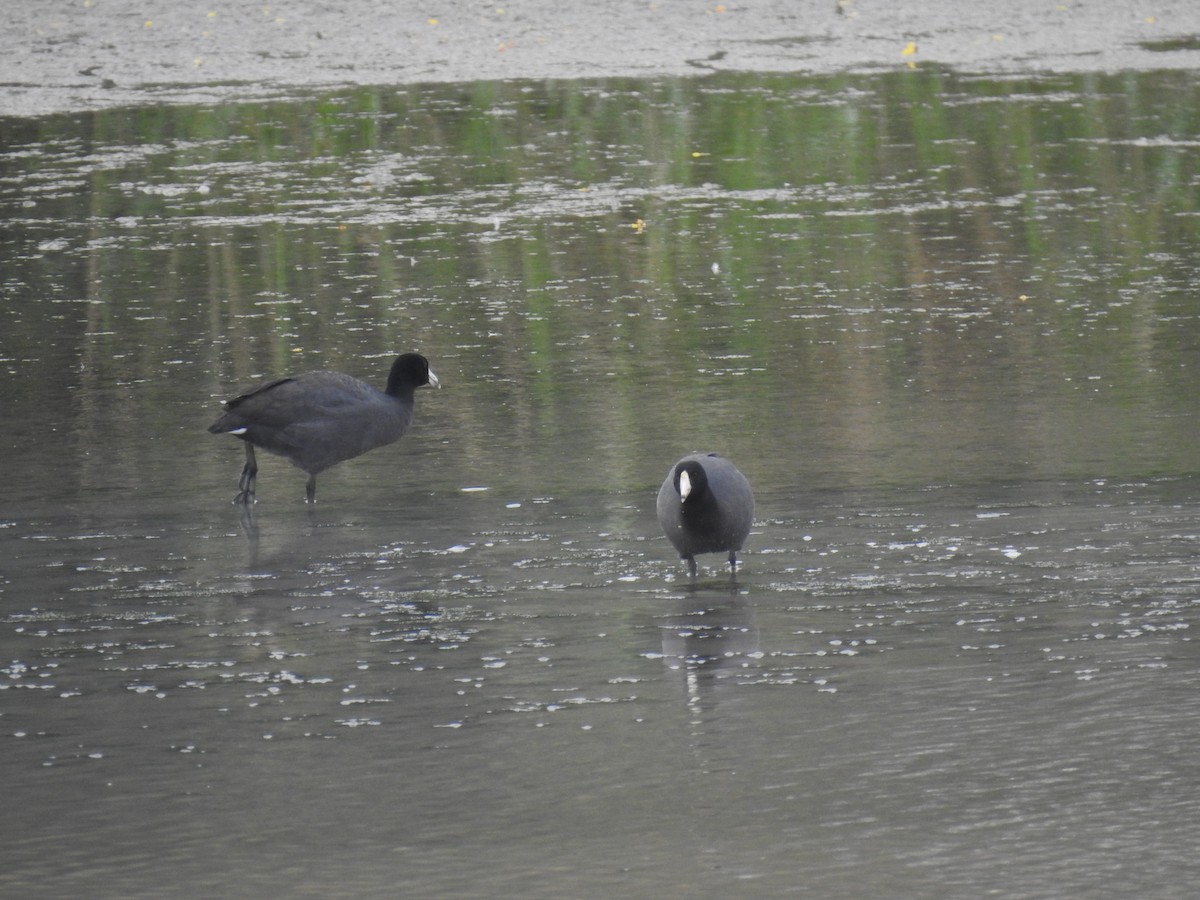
(946, 326)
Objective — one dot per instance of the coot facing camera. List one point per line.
(705, 505)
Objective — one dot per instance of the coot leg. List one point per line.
(250, 528)
(733, 562)
(246, 483)
(310, 489)
(691, 561)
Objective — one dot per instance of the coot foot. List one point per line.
(245, 494)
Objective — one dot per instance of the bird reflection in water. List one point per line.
(710, 645)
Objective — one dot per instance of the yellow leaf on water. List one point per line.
(639, 226)
(432, 21)
(909, 49)
(697, 154)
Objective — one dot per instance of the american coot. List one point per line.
(705, 506)
(319, 419)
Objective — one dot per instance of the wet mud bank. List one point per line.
(107, 53)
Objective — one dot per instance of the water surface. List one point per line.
(946, 325)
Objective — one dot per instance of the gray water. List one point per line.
(946, 326)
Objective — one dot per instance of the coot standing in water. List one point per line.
(705, 505)
(319, 419)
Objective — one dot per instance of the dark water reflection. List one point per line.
(947, 326)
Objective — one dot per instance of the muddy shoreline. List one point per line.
(95, 54)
